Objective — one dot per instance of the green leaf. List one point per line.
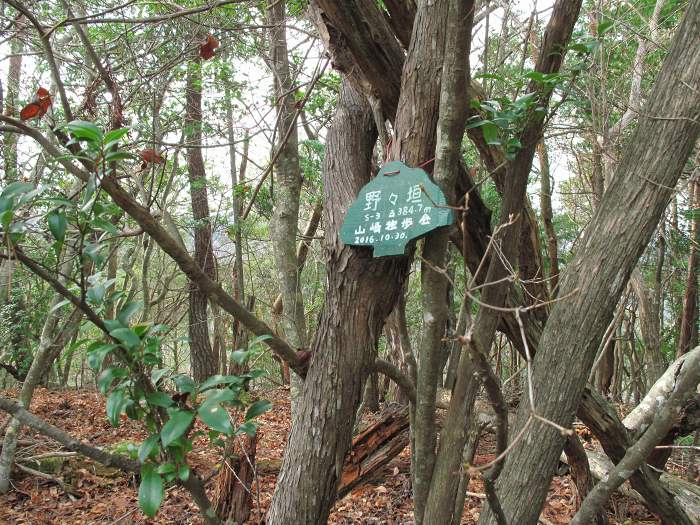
(220, 396)
(82, 129)
(216, 417)
(176, 426)
(107, 377)
(258, 408)
(115, 156)
(184, 472)
(98, 223)
(58, 225)
(240, 357)
(248, 427)
(112, 324)
(218, 380)
(147, 447)
(150, 490)
(128, 310)
(92, 250)
(126, 336)
(157, 374)
(166, 468)
(159, 399)
(184, 383)
(115, 404)
(6, 217)
(97, 352)
(16, 188)
(96, 293)
(114, 135)
(491, 133)
(604, 26)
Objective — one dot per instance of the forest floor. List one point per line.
(92, 494)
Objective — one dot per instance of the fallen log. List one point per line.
(373, 448)
(685, 493)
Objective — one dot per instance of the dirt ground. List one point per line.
(91, 494)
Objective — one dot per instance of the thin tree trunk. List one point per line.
(203, 360)
(14, 73)
(617, 236)
(285, 218)
(50, 346)
(547, 216)
(688, 334)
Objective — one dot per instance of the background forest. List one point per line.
(185, 339)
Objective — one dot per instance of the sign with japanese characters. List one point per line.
(400, 204)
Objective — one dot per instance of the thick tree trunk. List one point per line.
(203, 360)
(652, 163)
(361, 291)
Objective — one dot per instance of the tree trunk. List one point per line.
(547, 216)
(285, 218)
(233, 497)
(361, 291)
(688, 336)
(649, 327)
(51, 344)
(204, 361)
(596, 277)
(14, 73)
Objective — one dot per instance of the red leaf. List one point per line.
(150, 156)
(38, 107)
(206, 50)
(31, 110)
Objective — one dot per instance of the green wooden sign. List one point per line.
(400, 204)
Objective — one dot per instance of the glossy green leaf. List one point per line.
(114, 135)
(128, 310)
(82, 129)
(150, 490)
(126, 336)
(57, 225)
(16, 188)
(185, 383)
(258, 408)
(176, 426)
(218, 380)
(216, 417)
(159, 399)
(107, 377)
(115, 405)
(147, 447)
(96, 354)
(158, 373)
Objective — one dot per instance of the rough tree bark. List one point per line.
(649, 168)
(361, 292)
(202, 357)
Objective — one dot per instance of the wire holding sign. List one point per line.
(391, 211)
